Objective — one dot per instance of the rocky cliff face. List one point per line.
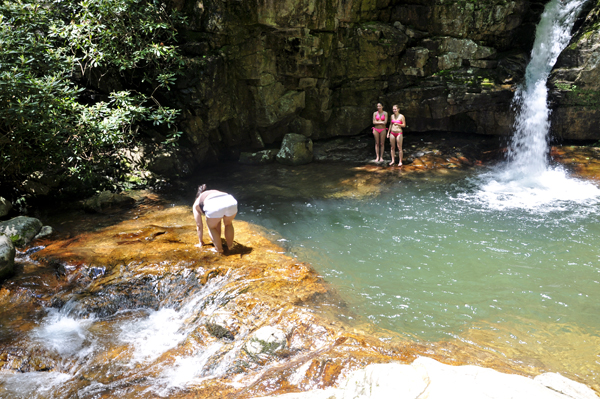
(575, 82)
(259, 69)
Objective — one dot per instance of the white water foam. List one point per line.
(154, 335)
(30, 385)
(166, 328)
(526, 181)
(186, 370)
(64, 334)
(550, 190)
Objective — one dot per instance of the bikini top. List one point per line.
(399, 121)
(377, 118)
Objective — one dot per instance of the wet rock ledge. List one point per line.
(252, 313)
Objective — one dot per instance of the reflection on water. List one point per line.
(440, 260)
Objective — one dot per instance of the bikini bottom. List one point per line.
(220, 205)
(378, 130)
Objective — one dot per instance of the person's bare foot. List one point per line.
(399, 163)
(391, 163)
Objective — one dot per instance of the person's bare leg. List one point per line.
(229, 232)
(400, 140)
(393, 149)
(214, 231)
(376, 135)
(381, 145)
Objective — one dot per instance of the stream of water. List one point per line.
(504, 260)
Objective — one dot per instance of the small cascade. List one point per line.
(147, 342)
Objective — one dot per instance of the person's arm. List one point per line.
(389, 129)
(199, 226)
(374, 120)
(403, 121)
(388, 120)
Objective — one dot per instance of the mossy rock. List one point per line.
(218, 331)
(21, 229)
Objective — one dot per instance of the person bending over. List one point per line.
(216, 206)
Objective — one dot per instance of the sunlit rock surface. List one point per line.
(584, 161)
(147, 267)
(134, 307)
(427, 378)
(124, 305)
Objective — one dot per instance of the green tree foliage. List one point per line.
(53, 54)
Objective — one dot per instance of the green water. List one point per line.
(429, 259)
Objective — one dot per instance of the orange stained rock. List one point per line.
(268, 288)
(583, 161)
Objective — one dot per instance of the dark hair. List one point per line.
(201, 189)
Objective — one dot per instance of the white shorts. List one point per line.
(220, 205)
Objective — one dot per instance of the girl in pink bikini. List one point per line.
(380, 119)
(395, 133)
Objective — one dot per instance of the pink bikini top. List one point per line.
(377, 118)
(398, 121)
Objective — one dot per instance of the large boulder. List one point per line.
(7, 256)
(5, 207)
(107, 201)
(21, 230)
(296, 149)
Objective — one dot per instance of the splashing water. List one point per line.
(529, 146)
(527, 181)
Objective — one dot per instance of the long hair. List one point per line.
(201, 189)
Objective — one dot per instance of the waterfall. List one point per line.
(529, 147)
(527, 181)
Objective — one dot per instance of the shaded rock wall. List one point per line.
(575, 82)
(259, 69)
